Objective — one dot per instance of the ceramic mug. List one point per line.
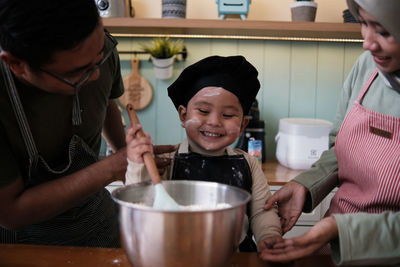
(173, 8)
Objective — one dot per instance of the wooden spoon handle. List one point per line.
(147, 157)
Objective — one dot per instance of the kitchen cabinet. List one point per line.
(234, 29)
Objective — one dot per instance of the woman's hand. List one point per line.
(304, 245)
(290, 200)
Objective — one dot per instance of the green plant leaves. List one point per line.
(163, 47)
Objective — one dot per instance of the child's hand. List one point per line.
(269, 242)
(137, 146)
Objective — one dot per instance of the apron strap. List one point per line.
(20, 115)
(366, 86)
(76, 111)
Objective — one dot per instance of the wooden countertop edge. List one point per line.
(42, 256)
(277, 174)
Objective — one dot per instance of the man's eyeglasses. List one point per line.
(85, 78)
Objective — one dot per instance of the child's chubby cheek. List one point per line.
(234, 130)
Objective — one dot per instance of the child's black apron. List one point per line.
(228, 169)
(94, 222)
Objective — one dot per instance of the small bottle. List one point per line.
(255, 149)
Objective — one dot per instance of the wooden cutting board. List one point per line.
(138, 90)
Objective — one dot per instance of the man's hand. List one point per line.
(116, 164)
(304, 245)
(290, 200)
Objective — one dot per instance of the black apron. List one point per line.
(94, 222)
(228, 169)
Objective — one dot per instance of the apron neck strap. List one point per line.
(19, 113)
(366, 86)
(76, 111)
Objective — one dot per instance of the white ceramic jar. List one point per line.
(301, 141)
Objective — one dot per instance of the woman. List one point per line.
(363, 221)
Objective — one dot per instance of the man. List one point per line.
(60, 76)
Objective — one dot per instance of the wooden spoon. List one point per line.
(162, 200)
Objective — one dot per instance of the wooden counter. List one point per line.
(42, 256)
(277, 174)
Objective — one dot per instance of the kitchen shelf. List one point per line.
(234, 29)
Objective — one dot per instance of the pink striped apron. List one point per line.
(368, 153)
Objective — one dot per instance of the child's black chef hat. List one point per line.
(233, 73)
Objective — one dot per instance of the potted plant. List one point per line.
(303, 10)
(163, 52)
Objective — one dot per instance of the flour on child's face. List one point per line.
(191, 123)
(213, 118)
(213, 91)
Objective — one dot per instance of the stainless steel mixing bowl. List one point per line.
(158, 238)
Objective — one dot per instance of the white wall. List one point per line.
(276, 10)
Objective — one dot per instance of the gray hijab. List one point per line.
(387, 13)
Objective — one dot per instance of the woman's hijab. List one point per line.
(387, 13)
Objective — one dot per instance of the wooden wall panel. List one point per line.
(303, 70)
(351, 53)
(276, 89)
(298, 79)
(253, 51)
(329, 79)
(224, 47)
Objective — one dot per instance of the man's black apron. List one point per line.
(228, 169)
(94, 222)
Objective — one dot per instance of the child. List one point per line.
(211, 97)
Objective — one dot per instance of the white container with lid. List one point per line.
(301, 141)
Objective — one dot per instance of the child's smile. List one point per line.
(210, 134)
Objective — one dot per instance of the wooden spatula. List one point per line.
(138, 91)
(162, 200)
